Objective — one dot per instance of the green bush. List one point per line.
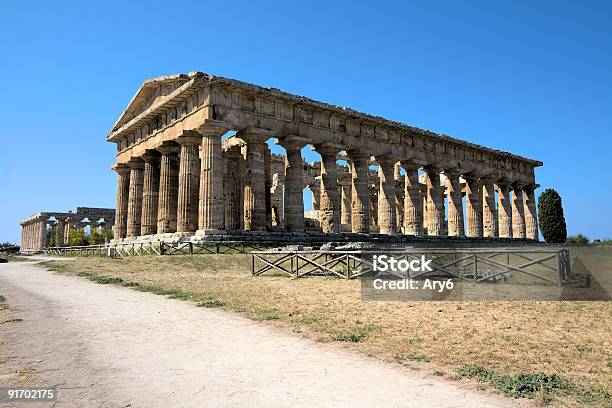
(76, 237)
(577, 240)
(552, 220)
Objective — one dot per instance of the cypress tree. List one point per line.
(552, 220)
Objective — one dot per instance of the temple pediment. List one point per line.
(151, 91)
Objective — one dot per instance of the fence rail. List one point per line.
(473, 265)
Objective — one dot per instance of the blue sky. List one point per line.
(532, 78)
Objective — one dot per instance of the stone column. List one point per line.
(473, 206)
(268, 185)
(386, 196)
(43, 232)
(346, 206)
(168, 189)
(134, 209)
(123, 188)
(373, 189)
(435, 201)
(531, 218)
(518, 211)
(189, 182)
(59, 238)
(255, 183)
(504, 208)
(329, 214)
(489, 213)
(413, 201)
(399, 197)
(210, 213)
(294, 182)
(150, 194)
(455, 205)
(316, 194)
(360, 192)
(231, 190)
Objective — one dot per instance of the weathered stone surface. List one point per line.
(294, 198)
(413, 201)
(168, 189)
(435, 201)
(473, 207)
(489, 212)
(188, 183)
(518, 211)
(134, 209)
(386, 196)
(531, 219)
(360, 192)
(455, 204)
(329, 213)
(254, 179)
(150, 194)
(121, 210)
(504, 210)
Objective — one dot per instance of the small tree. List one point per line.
(552, 220)
(51, 241)
(76, 237)
(578, 240)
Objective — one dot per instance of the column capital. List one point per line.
(356, 154)
(519, 185)
(213, 128)
(135, 163)
(253, 134)
(453, 172)
(120, 168)
(385, 160)
(189, 138)
(293, 142)
(530, 187)
(150, 156)
(432, 168)
(410, 165)
(168, 148)
(327, 149)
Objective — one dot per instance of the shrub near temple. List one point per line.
(552, 220)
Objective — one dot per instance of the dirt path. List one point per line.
(106, 346)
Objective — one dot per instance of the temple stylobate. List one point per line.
(181, 177)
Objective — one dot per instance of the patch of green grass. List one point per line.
(266, 314)
(107, 280)
(519, 385)
(412, 357)
(211, 303)
(596, 396)
(3, 304)
(357, 333)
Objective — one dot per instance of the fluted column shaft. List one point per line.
(386, 197)
(518, 211)
(504, 209)
(188, 184)
(435, 201)
(399, 197)
(134, 210)
(294, 182)
(473, 207)
(489, 213)
(231, 191)
(413, 201)
(255, 183)
(531, 218)
(150, 194)
(59, 238)
(360, 192)
(210, 210)
(121, 208)
(43, 233)
(455, 205)
(329, 214)
(346, 206)
(168, 190)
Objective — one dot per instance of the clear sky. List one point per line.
(530, 77)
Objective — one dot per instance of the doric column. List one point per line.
(489, 213)
(373, 189)
(346, 206)
(399, 197)
(121, 208)
(316, 194)
(360, 191)
(43, 232)
(329, 213)
(473, 206)
(294, 182)
(531, 219)
(518, 211)
(134, 210)
(435, 201)
(504, 210)
(386, 196)
(268, 185)
(413, 201)
(231, 189)
(59, 238)
(254, 180)
(210, 212)
(455, 204)
(189, 182)
(150, 194)
(168, 189)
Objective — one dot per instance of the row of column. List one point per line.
(182, 187)
(34, 235)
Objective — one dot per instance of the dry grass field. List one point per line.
(492, 341)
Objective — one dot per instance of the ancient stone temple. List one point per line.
(34, 229)
(181, 177)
